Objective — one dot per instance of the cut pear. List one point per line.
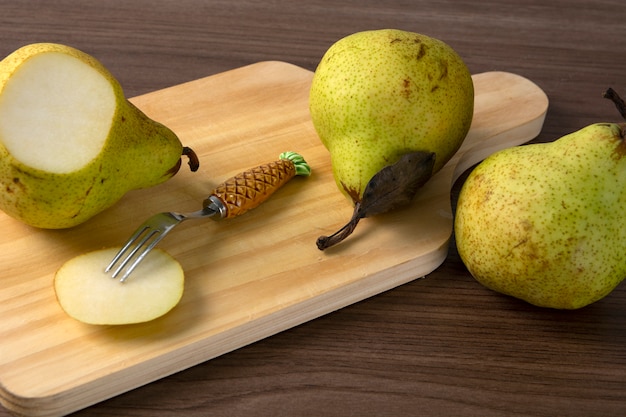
(71, 144)
(88, 294)
(56, 112)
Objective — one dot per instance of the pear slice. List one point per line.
(88, 294)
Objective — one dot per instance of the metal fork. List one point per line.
(152, 231)
(232, 198)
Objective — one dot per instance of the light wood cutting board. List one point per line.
(246, 278)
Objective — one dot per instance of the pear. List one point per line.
(71, 145)
(381, 94)
(544, 222)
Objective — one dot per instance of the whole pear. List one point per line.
(545, 222)
(378, 95)
(71, 145)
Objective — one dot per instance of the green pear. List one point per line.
(71, 145)
(378, 95)
(545, 222)
(392, 107)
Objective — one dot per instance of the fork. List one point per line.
(232, 198)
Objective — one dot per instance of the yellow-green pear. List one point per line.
(377, 95)
(545, 222)
(71, 145)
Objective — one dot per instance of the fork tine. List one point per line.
(144, 239)
(160, 234)
(148, 233)
(128, 244)
(132, 240)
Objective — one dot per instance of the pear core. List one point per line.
(46, 122)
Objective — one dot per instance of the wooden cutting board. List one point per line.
(246, 278)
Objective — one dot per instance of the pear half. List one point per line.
(71, 144)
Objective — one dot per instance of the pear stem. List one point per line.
(617, 100)
(392, 187)
(194, 162)
(325, 242)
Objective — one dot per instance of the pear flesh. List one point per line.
(34, 105)
(71, 145)
(88, 294)
(544, 222)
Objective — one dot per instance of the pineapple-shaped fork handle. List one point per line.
(250, 188)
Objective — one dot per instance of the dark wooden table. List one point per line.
(440, 346)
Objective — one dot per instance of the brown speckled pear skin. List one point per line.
(545, 222)
(378, 95)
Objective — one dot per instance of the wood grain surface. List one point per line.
(246, 278)
(438, 346)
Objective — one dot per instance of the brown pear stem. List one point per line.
(325, 242)
(194, 162)
(617, 100)
(392, 187)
